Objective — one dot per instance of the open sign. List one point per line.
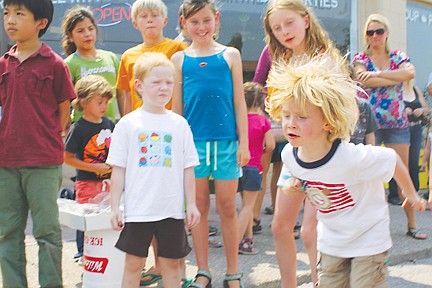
(112, 14)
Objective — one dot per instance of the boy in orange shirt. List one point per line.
(149, 17)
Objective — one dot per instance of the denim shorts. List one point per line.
(251, 179)
(217, 159)
(392, 136)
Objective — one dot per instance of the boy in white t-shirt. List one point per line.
(153, 157)
(342, 180)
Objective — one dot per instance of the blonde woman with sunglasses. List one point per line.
(382, 73)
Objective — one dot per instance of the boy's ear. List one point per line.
(165, 22)
(327, 127)
(42, 23)
(138, 85)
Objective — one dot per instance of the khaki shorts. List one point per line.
(358, 272)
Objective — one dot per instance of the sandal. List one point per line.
(205, 274)
(185, 282)
(232, 277)
(213, 243)
(246, 247)
(416, 233)
(256, 228)
(153, 278)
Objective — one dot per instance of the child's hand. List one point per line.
(243, 156)
(103, 168)
(417, 203)
(292, 185)
(192, 216)
(116, 220)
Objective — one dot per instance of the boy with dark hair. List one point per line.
(35, 94)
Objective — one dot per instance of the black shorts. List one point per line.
(276, 156)
(171, 238)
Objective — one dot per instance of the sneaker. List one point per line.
(268, 210)
(212, 230)
(78, 255)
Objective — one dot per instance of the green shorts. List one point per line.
(217, 159)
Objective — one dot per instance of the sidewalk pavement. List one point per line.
(259, 270)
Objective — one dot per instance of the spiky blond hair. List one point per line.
(321, 83)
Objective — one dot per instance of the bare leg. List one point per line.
(132, 271)
(200, 231)
(171, 272)
(309, 236)
(226, 207)
(403, 151)
(246, 214)
(277, 168)
(284, 219)
(265, 162)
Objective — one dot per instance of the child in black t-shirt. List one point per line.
(88, 141)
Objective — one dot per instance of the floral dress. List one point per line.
(386, 101)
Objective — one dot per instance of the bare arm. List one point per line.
(269, 142)
(383, 78)
(64, 114)
(426, 157)
(403, 179)
(124, 102)
(243, 154)
(177, 98)
(429, 89)
(192, 213)
(117, 186)
(99, 168)
(370, 139)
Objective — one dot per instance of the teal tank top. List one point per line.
(209, 97)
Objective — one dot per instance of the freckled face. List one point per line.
(303, 127)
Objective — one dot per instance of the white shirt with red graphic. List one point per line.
(356, 221)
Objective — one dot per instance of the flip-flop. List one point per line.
(153, 278)
(415, 233)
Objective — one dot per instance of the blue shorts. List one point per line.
(392, 136)
(218, 159)
(251, 179)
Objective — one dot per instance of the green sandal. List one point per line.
(202, 273)
(185, 282)
(153, 278)
(232, 277)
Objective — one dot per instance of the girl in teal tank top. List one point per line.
(208, 91)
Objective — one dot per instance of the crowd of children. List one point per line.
(219, 131)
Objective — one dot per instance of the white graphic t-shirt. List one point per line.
(155, 149)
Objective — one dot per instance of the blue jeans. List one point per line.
(413, 164)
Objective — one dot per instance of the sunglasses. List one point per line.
(379, 31)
